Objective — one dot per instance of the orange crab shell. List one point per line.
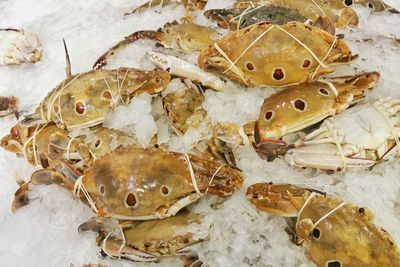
(264, 54)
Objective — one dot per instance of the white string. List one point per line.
(69, 147)
(212, 178)
(103, 245)
(329, 50)
(245, 51)
(114, 101)
(319, 7)
(123, 242)
(33, 139)
(236, 70)
(328, 214)
(191, 171)
(241, 17)
(313, 194)
(78, 187)
(303, 45)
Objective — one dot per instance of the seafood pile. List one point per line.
(234, 117)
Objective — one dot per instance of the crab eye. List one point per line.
(316, 233)
(106, 94)
(334, 263)
(97, 143)
(323, 91)
(268, 115)
(165, 190)
(306, 63)
(131, 200)
(371, 6)
(348, 2)
(80, 107)
(300, 105)
(278, 74)
(361, 210)
(249, 66)
(102, 189)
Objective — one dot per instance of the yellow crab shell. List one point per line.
(271, 55)
(298, 107)
(145, 240)
(332, 232)
(85, 99)
(142, 184)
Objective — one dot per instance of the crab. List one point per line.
(46, 144)
(85, 99)
(184, 110)
(274, 55)
(338, 11)
(146, 241)
(298, 107)
(8, 105)
(133, 183)
(333, 233)
(186, 38)
(18, 46)
(190, 7)
(181, 68)
(359, 137)
(183, 107)
(238, 18)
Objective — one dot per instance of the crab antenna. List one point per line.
(67, 61)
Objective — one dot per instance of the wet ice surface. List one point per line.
(45, 233)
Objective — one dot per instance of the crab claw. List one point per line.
(326, 24)
(348, 17)
(112, 248)
(279, 199)
(112, 245)
(181, 68)
(21, 198)
(268, 148)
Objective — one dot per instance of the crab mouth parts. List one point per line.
(133, 255)
(161, 212)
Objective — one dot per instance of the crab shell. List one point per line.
(359, 137)
(142, 184)
(85, 99)
(346, 236)
(273, 55)
(238, 18)
(146, 240)
(18, 47)
(337, 11)
(189, 4)
(190, 7)
(299, 107)
(8, 105)
(186, 38)
(46, 144)
(183, 108)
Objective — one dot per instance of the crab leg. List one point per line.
(323, 156)
(181, 68)
(149, 35)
